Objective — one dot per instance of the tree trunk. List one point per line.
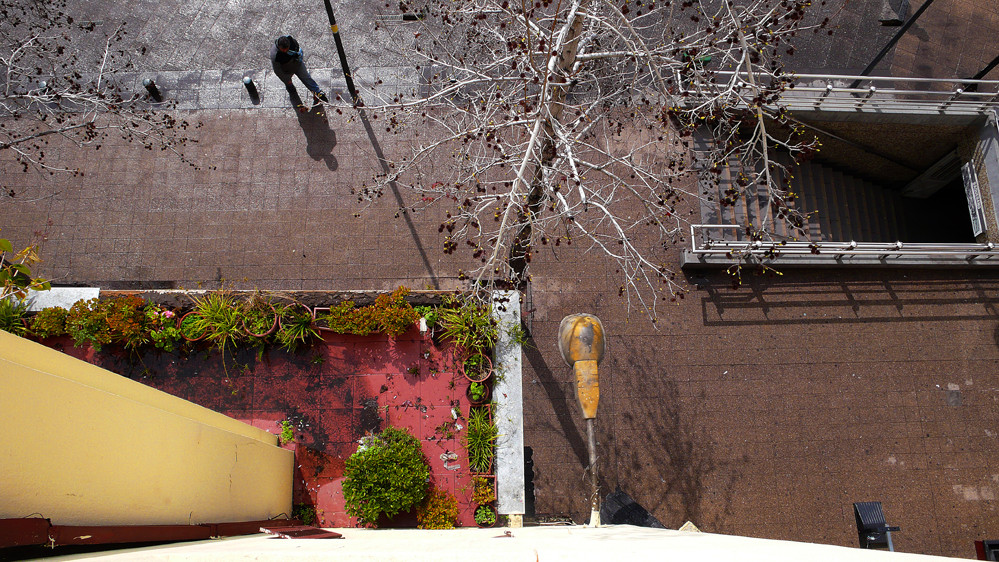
(558, 69)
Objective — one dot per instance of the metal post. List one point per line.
(581, 343)
(251, 88)
(957, 94)
(343, 56)
(824, 95)
(152, 89)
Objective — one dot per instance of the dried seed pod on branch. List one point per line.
(62, 78)
(571, 121)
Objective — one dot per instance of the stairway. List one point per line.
(840, 206)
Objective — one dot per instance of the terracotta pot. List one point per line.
(320, 324)
(303, 307)
(483, 399)
(495, 516)
(490, 483)
(272, 329)
(180, 322)
(484, 374)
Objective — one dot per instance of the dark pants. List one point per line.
(297, 68)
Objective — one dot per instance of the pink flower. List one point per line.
(168, 313)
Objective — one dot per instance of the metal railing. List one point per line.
(833, 93)
(704, 246)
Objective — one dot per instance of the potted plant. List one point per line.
(191, 327)
(259, 318)
(387, 475)
(219, 313)
(468, 324)
(163, 330)
(477, 367)
(295, 326)
(477, 392)
(480, 439)
(483, 489)
(485, 516)
(321, 318)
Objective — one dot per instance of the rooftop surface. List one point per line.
(529, 544)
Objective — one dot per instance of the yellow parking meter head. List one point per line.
(581, 342)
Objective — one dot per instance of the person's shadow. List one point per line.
(320, 138)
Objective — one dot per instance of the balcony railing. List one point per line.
(884, 253)
(829, 92)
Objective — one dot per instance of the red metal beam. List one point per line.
(38, 531)
(24, 532)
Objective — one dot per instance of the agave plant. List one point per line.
(220, 318)
(297, 326)
(12, 311)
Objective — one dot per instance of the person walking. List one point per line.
(287, 59)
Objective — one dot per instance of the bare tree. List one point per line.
(552, 122)
(60, 77)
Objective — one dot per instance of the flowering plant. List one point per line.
(163, 327)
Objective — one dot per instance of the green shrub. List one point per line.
(390, 314)
(386, 476)
(483, 491)
(12, 311)
(345, 318)
(287, 434)
(50, 322)
(438, 511)
(87, 323)
(99, 322)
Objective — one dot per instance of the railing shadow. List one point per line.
(908, 297)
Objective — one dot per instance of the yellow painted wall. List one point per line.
(83, 446)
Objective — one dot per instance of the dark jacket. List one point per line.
(284, 63)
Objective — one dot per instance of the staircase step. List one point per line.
(806, 202)
(821, 198)
(776, 225)
(851, 209)
(738, 209)
(879, 214)
(837, 219)
(868, 216)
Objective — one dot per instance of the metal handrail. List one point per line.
(875, 79)
(882, 92)
(835, 249)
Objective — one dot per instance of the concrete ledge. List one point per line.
(64, 297)
(508, 395)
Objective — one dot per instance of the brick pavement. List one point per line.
(764, 412)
